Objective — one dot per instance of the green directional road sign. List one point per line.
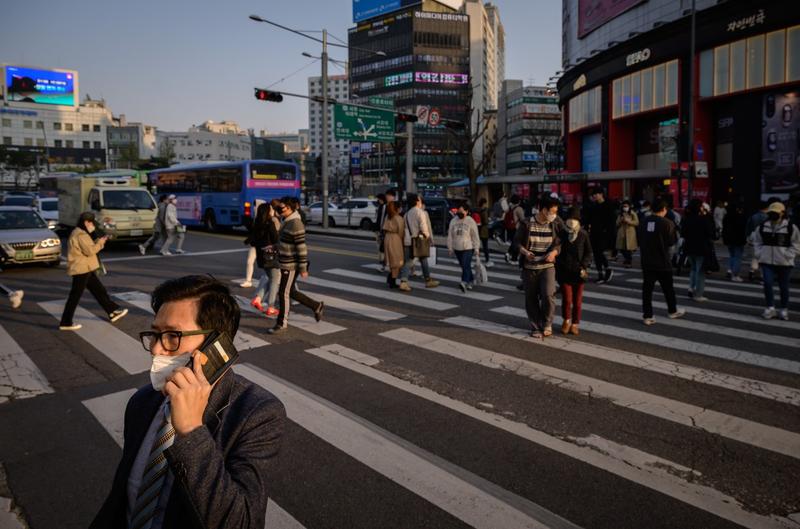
(362, 124)
(381, 102)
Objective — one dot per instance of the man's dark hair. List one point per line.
(291, 202)
(381, 197)
(659, 205)
(163, 197)
(514, 199)
(216, 308)
(464, 204)
(597, 191)
(411, 200)
(548, 202)
(391, 192)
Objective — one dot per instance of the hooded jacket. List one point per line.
(776, 244)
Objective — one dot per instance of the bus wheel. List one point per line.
(366, 224)
(210, 221)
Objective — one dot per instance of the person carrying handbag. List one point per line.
(417, 242)
(264, 239)
(572, 271)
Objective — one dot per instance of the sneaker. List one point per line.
(737, 279)
(463, 287)
(701, 299)
(431, 283)
(256, 304)
(272, 312)
(16, 298)
(784, 314)
(489, 264)
(507, 257)
(276, 330)
(404, 286)
(142, 249)
(318, 312)
(649, 321)
(680, 313)
(180, 252)
(246, 284)
(609, 275)
(769, 313)
(469, 286)
(117, 315)
(70, 327)
(166, 252)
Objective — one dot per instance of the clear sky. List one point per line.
(175, 63)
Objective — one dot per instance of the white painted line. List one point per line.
(643, 469)
(748, 386)
(385, 295)
(721, 282)
(242, 341)
(680, 344)
(737, 429)
(19, 376)
(117, 346)
(696, 309)
(751, 295)
(372, 278)
(346, 352)
(398, 460)
(174, 256)
(109, 410)
(492, 274)
(457, 279)
(301, 321)
(361, 309)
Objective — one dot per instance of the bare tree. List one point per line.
(166, 150)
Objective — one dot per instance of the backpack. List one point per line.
(476, 217)
(508, 219)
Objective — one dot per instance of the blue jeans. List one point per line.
(273, 276)
(465, 260)
(782, 273)
(735, 259)
(406, 270)
(697, 276)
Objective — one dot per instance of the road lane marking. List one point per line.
(680, 344)
(19, 376)
(466, 496)
(457, 279)
(744, 385)
(242, 341)
(361, 309)
(173, 256)
(751, 295)
(109, 411)
(301, 321)
(490, 271)
(477, 296)
(385, 295)
(638, 467)
(721, 282)
(117, 346)
(741, 430)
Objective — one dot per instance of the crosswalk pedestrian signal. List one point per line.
(266, 95)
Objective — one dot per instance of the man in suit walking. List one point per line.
(194, 455)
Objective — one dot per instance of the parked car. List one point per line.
(48, 209)
(25, 238)
(355, 213)
(26, 200)
(314, 212)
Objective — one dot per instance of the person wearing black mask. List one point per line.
(464, 242)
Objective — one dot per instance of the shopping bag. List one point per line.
(432, 257)
(481, 275)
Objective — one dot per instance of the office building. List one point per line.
(338, 150)
(211, 141)
(130, 142)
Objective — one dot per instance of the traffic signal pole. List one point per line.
(325, 129)
(410, 157)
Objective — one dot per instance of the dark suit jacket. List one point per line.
(221, 470)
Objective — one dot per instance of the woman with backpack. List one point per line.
(627, 222)
(698, 232)
(264, 239)
(572, 270)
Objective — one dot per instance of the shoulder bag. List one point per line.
(420, 245)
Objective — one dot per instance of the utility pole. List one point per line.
(325, 129)
(691, 106)
(410, 157)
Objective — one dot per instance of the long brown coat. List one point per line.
(626, 231)
(394, 228)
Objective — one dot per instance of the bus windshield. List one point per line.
(127, 199)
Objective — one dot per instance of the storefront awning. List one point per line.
(464, 182)
(576, 177)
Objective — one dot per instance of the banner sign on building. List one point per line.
(441, 78)
(594, 13)
(363, 124)
(364, 9)
(46, 87)
(780, 151)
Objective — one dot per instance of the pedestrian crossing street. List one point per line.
(721, 378)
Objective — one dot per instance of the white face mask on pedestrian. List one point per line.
(163, 366)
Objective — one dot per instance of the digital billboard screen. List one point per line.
(47, 87)
(594, 13)
(364, 9)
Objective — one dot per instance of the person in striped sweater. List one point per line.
(539, 246)
(293, 261)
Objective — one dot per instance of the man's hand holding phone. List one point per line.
(188, 391)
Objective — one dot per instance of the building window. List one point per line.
(28, 124)
(648, 89)
(87, 145)
(95, 128)
(85, 127)
(763, 60)
(40, 142)
(68, 127)
(40, 125)
(70, 144)
(56, 125)
(6, 140)
(6, 122)
(584, 109)
(97, 145)
(58, 143)
(28, 142)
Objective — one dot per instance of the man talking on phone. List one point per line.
(194, 454)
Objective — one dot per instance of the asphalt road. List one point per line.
(432, 409)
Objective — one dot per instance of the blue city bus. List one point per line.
(225, 194)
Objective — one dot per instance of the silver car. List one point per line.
(25, 238)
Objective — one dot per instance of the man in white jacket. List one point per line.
(776, 243)
(417, 226)
(175, 230)
(464, 241)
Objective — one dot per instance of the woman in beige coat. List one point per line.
(82, 262)
(394, 230)
(627, 222)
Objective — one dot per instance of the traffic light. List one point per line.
(407, 118)
(266, 95)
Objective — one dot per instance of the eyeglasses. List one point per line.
(170, 340)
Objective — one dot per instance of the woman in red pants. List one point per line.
(572, 267)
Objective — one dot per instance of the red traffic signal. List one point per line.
(266, 95)
(408, 118)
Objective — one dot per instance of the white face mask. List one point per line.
(163, 366)
(626, 209)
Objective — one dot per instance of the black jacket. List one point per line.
(698, 232)
(574, 256)
(734, 227)
(656, 236)
(222, 470)
(262, 235)
(600, 220)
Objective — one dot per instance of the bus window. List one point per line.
(178, 182)
(220, 180)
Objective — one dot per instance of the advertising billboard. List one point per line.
(45, 87)
(591, 153)
(594, 13)
(364, 9)
(780, 152)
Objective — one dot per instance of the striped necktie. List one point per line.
(153, 476)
